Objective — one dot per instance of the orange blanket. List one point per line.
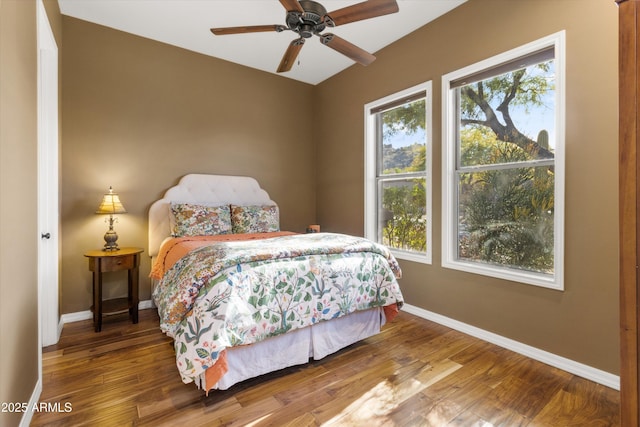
(214, 373)
(391, 311)
(172, 250)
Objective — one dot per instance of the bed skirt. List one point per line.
(297, 347)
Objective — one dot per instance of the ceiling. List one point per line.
(186, 24)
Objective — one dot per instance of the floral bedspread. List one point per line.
(235, 293)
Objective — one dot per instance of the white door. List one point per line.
(48, 207)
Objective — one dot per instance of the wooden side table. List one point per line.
(105, 261)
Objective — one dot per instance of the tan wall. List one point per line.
(138, 115)
(18, 190)
(580, 323)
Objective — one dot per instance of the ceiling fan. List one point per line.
(308, 18)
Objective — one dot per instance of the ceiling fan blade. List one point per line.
(247, 29)
(290, 55)
(339, 44)
(359, 11)
(292, 5)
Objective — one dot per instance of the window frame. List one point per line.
(450, 138)
(372, 182)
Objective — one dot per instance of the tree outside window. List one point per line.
(398, 168)
(504, 181)
(506, 174)
(402, 144)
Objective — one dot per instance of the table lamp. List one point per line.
(111, 205)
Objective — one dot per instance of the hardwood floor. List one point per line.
(415, 373)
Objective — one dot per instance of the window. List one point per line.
(503, 165)
(398, 173)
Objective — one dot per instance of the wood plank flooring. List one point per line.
(415, 373)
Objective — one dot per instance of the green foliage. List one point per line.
(403, 159)
(405, 225)
(525, 87)
(490, 103)
(506, 214)
(407, 118)
(404, 202)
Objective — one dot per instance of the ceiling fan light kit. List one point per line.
(308, 18)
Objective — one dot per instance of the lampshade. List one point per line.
(111, 204)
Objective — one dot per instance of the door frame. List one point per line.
(48, 185)
(629, 205)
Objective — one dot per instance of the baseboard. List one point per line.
(88, 314)
(576, 368)
(33, 402)
(60, 325)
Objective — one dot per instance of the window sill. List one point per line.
(411, 256)
(529, 278)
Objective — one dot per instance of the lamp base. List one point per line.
(110, 238)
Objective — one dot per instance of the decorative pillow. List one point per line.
(255, 219)
(199, 220)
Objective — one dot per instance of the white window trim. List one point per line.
(370, 184)
(449, 192)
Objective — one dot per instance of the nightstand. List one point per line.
(105, 261)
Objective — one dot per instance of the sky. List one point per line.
(402, 139)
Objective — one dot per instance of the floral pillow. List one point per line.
(255, 219)
(198, 220)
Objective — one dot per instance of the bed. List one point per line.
(242, 298)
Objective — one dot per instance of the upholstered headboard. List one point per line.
(202, 189)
